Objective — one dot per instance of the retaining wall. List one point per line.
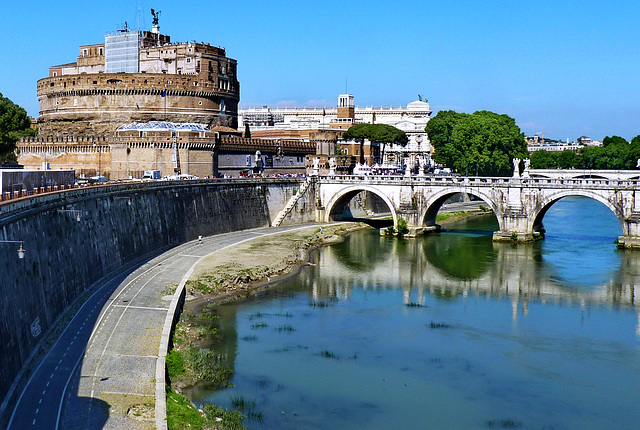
(118, 224)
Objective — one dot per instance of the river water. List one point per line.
(448, 331)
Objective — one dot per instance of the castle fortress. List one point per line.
(138, 102)
(139, 76)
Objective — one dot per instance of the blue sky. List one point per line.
(565, 68)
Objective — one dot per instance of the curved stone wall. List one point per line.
(120, 224)
(99, 103)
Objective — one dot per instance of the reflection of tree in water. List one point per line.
(362, 251)
(460, 256)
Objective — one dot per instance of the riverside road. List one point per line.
(105, 360)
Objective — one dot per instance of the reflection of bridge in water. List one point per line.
(420, 267)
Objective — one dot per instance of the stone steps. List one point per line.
(292, 202)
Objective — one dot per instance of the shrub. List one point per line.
(402, 227)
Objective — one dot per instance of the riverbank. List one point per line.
(239, 272)
(252, 266)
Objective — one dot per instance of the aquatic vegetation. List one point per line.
(506, 424)
(286, 315)
(260, 325)
(256, 316)
(204, 365)
(256, 416)
(327, 354)
(414, 305)
(319, 304)
(249, 338)
(438, 325)
(224, 419)
(241, 404)
(285, 328)
(286, 349)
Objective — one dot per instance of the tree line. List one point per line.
(485, 143)
(615, 153)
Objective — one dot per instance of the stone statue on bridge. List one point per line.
(527, 164)
(516, 167)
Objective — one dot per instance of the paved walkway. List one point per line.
(121, 327)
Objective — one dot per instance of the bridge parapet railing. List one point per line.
(442, 180)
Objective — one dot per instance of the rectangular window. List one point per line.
(84, 52)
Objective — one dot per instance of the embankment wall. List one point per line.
(119, 225)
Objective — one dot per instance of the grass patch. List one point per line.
(169, 290)
(205, 365)
(175, 364)
(182, 414)
(453, 214)
(226, 275)
(225, 419)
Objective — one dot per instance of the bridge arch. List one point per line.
(342, 198)
(545, 205)
(435, 202)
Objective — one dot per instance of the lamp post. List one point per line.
(77, 212)
(21, 250)
(96, 147)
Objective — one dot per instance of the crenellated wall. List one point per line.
(119, 224)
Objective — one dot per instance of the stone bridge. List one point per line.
(519, 203)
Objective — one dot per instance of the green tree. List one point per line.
(14, 124)
(376, 133)
(543, 159)
(568, 159)
(614, 140)
(482, 142)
